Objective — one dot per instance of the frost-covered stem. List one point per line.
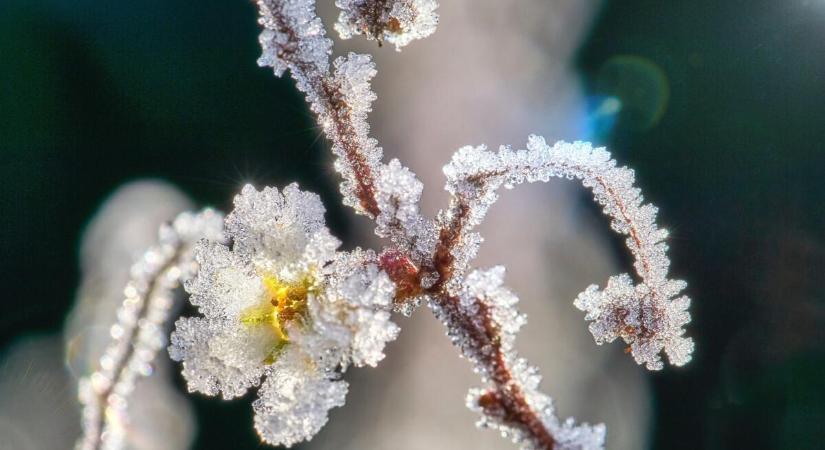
(105, 393)
(347, 139)
(449, 237)
(506, 401)
(312, 76)
(140, 330)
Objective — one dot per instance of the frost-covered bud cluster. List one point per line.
(646, 315)
(139, 332)
(282, 305)
(511, 402)
(649, 326)
(398, 22)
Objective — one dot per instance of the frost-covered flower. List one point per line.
(281, 304)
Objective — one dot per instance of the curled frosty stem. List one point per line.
(648, 316)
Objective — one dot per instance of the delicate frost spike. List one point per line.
(646, 315)
(283, 305)
(398, 22)
(482, 321)
(398, 193)
(344, 121)
(139, 331)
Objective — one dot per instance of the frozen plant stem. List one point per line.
(302, 48)
(103, 392)
(140, 330)
(282, 310)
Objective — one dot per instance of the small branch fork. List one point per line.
(506, 401)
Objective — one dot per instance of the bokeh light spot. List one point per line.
(638, 86)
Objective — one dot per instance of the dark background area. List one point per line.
(94, 93)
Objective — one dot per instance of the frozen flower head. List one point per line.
(279, 303)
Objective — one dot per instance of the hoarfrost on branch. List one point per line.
(284, 311)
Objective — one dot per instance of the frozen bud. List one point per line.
(649, 325)
(398, 22)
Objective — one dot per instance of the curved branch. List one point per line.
(294, 39)
(647, 316)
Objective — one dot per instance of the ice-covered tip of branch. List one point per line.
(398, 22)
(482, 321)
(293, 38)
(139, 331)
(648, 316)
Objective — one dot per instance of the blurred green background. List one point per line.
(718, 105)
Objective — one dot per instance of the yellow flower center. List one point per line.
(282, 303)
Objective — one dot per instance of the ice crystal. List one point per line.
(398, 22)
(487, 339)
(646, 315)
(139, 332)
(284, 305)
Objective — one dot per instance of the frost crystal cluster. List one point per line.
(282, 310)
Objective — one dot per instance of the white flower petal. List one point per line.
(209, 368)
(294, 401)
(224, 285)
(268, 226)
